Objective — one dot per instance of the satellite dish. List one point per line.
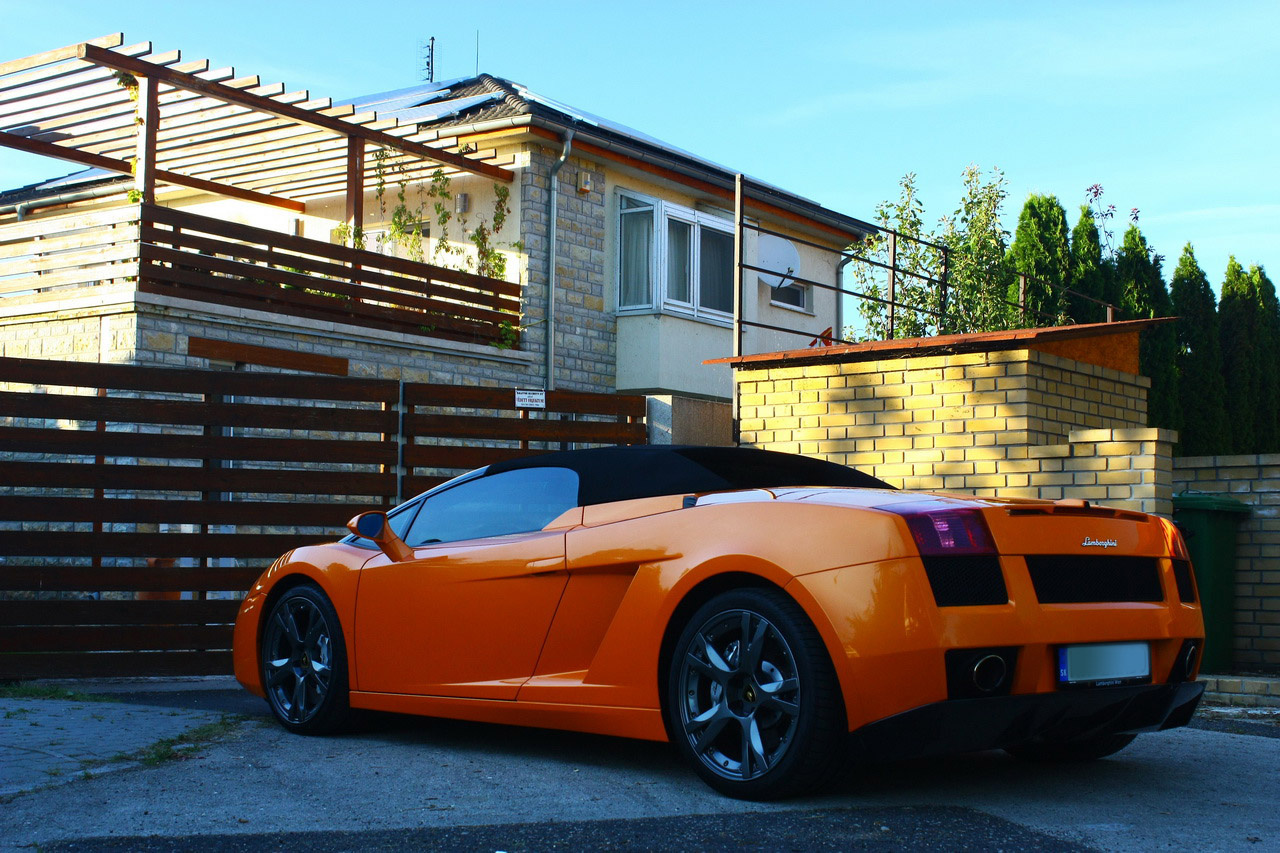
(780, 257)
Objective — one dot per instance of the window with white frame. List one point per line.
(673, 258)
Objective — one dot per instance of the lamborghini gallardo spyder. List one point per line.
(776, 617)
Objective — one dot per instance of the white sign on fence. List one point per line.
(531, 399)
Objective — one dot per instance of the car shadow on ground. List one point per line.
(517, 741)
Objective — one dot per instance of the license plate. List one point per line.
(1104, 664)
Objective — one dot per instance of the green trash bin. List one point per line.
(1208, 524)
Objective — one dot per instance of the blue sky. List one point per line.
(1173, 107)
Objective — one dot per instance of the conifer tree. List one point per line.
(1040, 251)
(1145, 296)
(1238, 311)
(1266, 424)
(1087, 271)
(1199, 361)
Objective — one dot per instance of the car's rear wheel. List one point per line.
(1088, 749)
(752, 699)
(304, 662)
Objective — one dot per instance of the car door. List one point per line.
(468, 614)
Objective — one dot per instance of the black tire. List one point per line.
(1064, 752)
(303, 658)
(757, 729)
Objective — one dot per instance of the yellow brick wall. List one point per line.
(1018, 423)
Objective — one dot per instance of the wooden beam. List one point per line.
(110, 59)
(125, 167)
(355, 185)
(267, 356)
(60, 54)
(144, 161)
(230, 191)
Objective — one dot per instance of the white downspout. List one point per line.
(552, 210)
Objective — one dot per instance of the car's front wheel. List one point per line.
(752, 699)
(304, 662)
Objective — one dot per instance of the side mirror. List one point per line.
(374, 525)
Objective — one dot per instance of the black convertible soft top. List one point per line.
(607, 474)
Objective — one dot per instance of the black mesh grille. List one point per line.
(966, 581)
(1182, 575)
(1087, 579)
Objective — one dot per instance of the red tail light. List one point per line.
(948, 532)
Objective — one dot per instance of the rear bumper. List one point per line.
(971, 725)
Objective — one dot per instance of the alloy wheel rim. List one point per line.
(739, 695)
(297, 659)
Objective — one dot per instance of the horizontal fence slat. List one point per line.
(61, 544)
(78, 407)
(116, 638)
(118, 612)
(523, 429)
(130, 377)
(568, 402)
(31, 229)
(181, 511)
(151, 445)
(72, 475)
(450, 456)
(59, 242)
(125, 579)
(113, 664)
(92, 275)
(92, 256)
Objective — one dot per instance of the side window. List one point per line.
(510, 502)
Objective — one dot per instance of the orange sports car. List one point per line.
(762, 611)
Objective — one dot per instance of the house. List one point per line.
(467, 188)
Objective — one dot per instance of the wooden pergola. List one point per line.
(126, 109)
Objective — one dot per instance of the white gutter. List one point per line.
(23, 207)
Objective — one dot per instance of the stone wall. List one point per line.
(1254, 480)
(1013, 423)
(586, 334)
(96, 335)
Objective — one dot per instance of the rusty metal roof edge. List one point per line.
(938, 345)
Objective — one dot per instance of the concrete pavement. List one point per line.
(118, 724)
(406, 775)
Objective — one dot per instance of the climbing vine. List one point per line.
(414, 210)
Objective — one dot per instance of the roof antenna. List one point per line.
(429, 67)
(477, 53)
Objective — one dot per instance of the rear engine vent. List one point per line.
(1071, 579)
(966, 581)
(1186, 586)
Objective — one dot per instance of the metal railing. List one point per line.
(895, 274)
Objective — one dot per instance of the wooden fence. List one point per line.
(122, 487)
(182, 254)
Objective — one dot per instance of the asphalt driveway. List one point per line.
(408, 783)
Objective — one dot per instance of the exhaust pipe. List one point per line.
(981, 673)
(989, 673)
